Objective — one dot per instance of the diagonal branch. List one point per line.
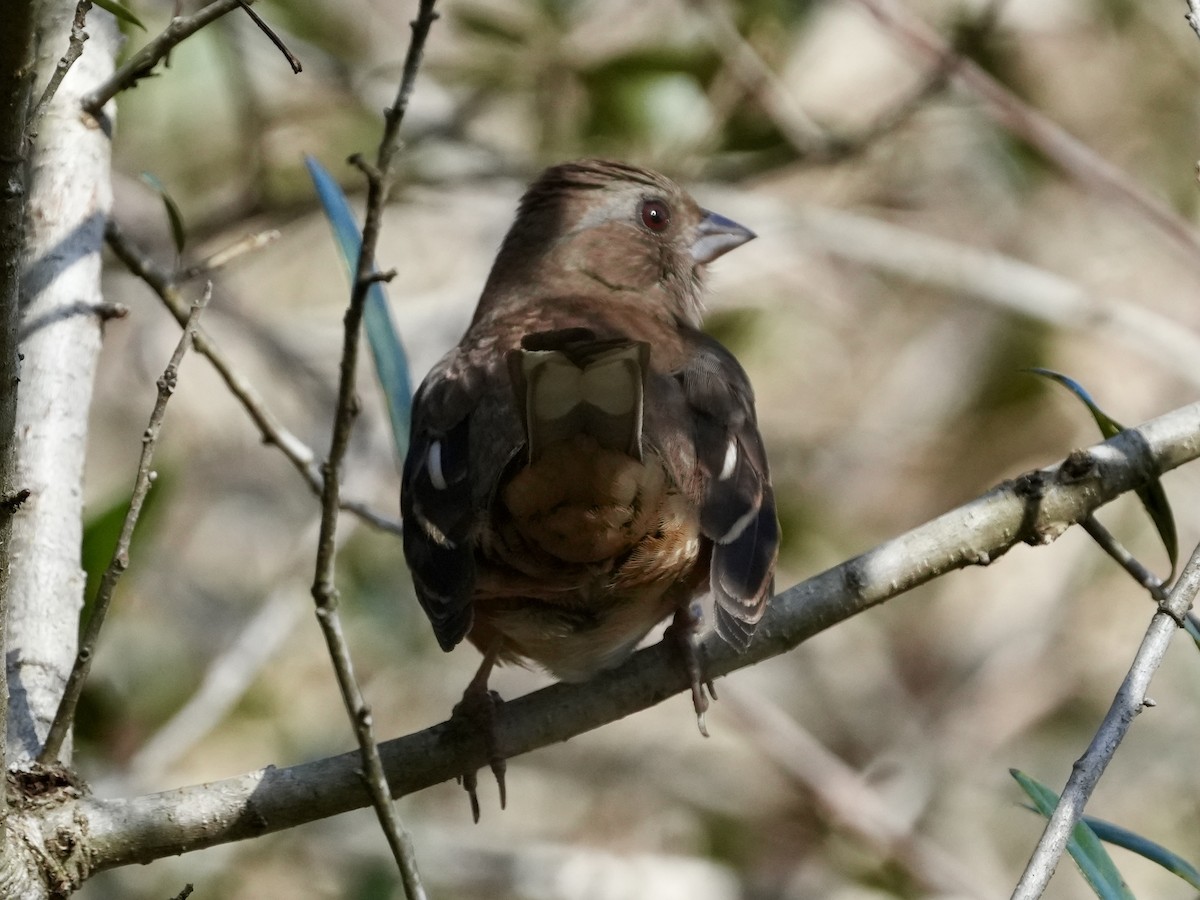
(1033, 509)
(299, 454)
(143, 62)
(1130, 700)
(1070, 154)
(60, 727)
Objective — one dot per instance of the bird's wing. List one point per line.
(737, 504)
(436, 498)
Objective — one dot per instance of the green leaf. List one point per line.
(174, 216)
(1121, 837)
(391, 362)
(1085, 848)
(1152, 495)
(120, 11)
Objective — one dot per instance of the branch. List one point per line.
(1034, 509)
(143, 62)
(324, 593)
(299, 454)
(1001, 281)
(17, 72)
(74, 51)
(1074, 157)
(1129, 701)
(61, 725)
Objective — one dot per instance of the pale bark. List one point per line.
(69, 200)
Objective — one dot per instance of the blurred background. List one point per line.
(917, 251)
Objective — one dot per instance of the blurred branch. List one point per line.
(1129, 701)
(1032, 509)
(1001, 281)
(847, 799)
(807, 137)
(63, 718)
(1071, 155)
(143, 62)
(230, 673)
(299, 454)
(325, 594)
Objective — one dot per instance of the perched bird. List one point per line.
(586, 461)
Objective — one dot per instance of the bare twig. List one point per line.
(324, 592)
(266, 29)
(1131, 564)
(143, 62)
(1074, 157)
(248, 244)
(1125, 559)
(299, 454)
(65, 715)
(74, 51)
(1032, 509)
(1130, 700)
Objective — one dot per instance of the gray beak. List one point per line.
(717, 235)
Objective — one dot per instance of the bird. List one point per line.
(586, 462)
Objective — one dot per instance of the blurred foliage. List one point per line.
(881, 402)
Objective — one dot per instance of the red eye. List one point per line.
(656, 215)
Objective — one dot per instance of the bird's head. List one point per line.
(628, 229)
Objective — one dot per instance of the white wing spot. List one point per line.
(433, 465)
(731, 458)
(738, 527)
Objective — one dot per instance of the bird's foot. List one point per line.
(477, 713)
(682, 631)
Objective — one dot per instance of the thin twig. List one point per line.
(1125, 559)
(65, 714)
(74, 51)
(293, 60)
(299, 454)
(324, 592)
(1130, 700)
(248, 244)
(1131, 564)
(144, 61)
(1071, 155)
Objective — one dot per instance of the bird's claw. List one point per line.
(477, 712)
(683, 631)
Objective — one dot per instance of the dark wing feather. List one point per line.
(436, 501)
(737, 506)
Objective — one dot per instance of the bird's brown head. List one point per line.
(607, 225)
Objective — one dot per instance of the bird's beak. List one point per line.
(717, 235)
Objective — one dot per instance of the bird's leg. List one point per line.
(683, 630)
(477, 710)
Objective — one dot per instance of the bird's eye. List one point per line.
(656, 215)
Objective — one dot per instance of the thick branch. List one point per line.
(1034, 509)
(62, 309)
(17, 47)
